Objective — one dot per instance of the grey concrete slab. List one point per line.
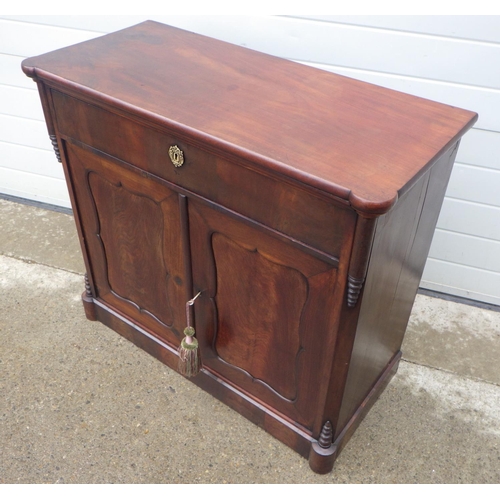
(79, 404)
(38, 235)
(82, 405)
(454, 337)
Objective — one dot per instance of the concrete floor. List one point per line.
(79, 404)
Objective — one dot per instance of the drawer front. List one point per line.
(279, 205)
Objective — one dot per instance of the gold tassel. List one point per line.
(189, 350)
(189, 354)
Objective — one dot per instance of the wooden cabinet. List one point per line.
(301, 204)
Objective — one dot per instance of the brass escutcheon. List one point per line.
(176, 156)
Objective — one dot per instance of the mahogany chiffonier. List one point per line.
(300, 203)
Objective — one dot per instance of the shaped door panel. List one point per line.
(266, 317)
(132, 232)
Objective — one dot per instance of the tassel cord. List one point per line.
(189, 356)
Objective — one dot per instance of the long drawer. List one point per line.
(281, 206)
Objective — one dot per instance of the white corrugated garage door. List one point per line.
(452, 59)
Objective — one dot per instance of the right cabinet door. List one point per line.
(266, 318)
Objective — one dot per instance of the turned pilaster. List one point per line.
(323, 452)
(362, 245)
(88, 301)
(55, 145)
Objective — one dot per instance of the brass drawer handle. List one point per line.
(176, 156)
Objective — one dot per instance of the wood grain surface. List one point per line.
(358, 141)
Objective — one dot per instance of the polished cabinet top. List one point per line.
(359, 142)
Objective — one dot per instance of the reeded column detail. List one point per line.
(326, 435)
(88, 290)
(53, 140)
(354, 286)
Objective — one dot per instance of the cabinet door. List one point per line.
(131, 227)
(266, 319)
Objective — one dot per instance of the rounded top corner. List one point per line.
(373, 208)
(28, 67)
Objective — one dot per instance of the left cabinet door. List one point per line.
(132, 231)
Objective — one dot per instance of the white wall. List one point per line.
(452, 59)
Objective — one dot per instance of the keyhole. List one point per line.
(176, 156)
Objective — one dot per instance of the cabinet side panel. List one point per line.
(402, 242)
